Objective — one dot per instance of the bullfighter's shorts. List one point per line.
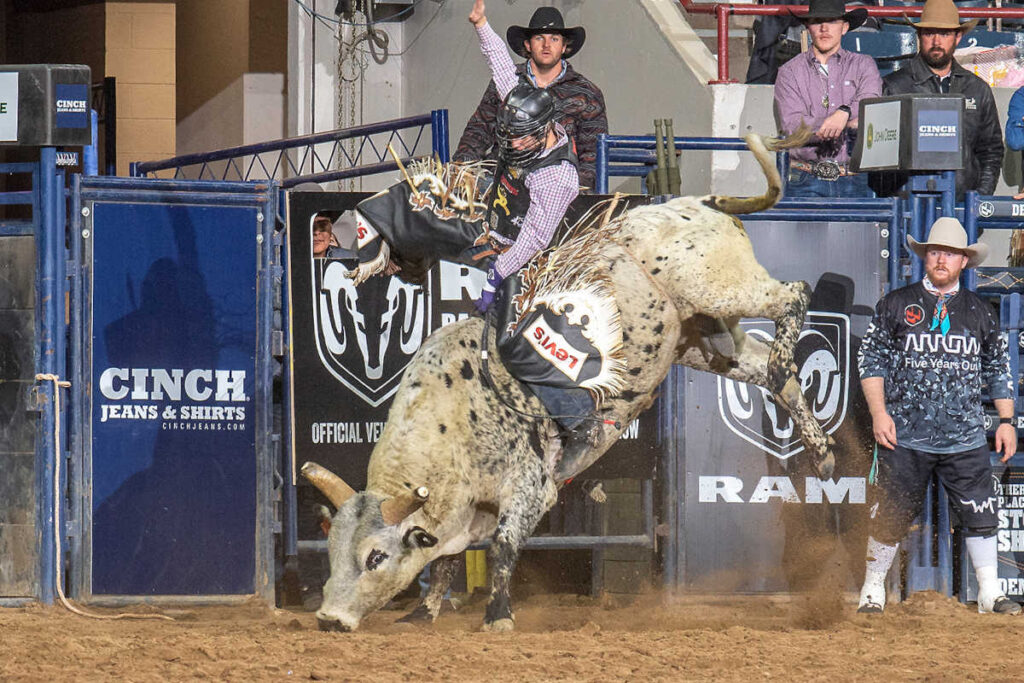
(903, 476)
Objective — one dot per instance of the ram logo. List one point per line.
(367, 335)
(823, 361)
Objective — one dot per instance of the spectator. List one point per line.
(929, 350)
(1015, 121)
(324, 241)
(822, 88)
(546, 44)
(933, 71)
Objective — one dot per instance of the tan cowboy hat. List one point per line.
(949, 233)
(941, 14)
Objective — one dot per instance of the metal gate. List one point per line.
(171, 466)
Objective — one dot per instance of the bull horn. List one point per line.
(330, 484)
(394, 510)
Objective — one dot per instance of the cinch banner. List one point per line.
(173, 399)
(350, 345)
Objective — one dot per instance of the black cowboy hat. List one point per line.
(833, 9)
(546, 20)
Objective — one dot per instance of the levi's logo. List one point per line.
(555, 349)
(364, 232)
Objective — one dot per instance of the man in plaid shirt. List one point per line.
(537, 177)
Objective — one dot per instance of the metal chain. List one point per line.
(351, 79)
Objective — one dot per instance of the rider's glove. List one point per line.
(490, 287)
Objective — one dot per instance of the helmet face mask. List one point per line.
(522, 125)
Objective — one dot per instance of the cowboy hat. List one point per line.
(833, 9)
(941, 14)
(949, 233)
(546, 20)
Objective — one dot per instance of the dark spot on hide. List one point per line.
(488, 507)
(472, 344)
(447, 380)
(629, 395)
(655, 271)
(472, 415)
(443, 428)
(535, 443)
(648, 348)
(415, 385)
(635, 371)
(462, 343)
(659, 328)
(467, 370)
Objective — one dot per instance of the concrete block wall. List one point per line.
(140, 54)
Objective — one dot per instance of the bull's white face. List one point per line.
(370, 561)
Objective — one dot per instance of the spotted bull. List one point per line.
(460, 461)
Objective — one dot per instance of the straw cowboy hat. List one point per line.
(546, 20)
(941, 14)
(948, 233)
(833, 9)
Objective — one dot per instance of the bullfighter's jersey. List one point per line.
(933, 381)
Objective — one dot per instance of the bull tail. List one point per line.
(761, 148)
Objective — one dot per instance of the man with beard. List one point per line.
(929, 350)
(934, 71)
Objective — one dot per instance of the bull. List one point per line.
(462, 460)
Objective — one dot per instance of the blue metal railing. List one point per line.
(317, 158)
(634, 155)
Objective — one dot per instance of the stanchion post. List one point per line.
(971, 226)
(48, 359)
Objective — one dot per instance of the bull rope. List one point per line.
(59, 384)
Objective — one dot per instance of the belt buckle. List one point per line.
(827, 170)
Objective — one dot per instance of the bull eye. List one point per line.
(374, 559)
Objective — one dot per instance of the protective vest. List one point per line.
(510, 198)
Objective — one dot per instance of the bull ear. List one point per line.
(394, 510)
(330, 484)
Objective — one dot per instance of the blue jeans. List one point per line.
(804, 184)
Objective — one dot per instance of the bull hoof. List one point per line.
(499, 626)
(329, 625)
(827, 466)
(420, 615)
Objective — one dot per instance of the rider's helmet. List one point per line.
(523, 122)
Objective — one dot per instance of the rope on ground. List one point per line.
(59, 384)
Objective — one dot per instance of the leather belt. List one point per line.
(824, 170)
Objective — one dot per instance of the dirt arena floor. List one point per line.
(928, 638)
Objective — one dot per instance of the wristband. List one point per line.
(1006, 420)
(845, 108)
